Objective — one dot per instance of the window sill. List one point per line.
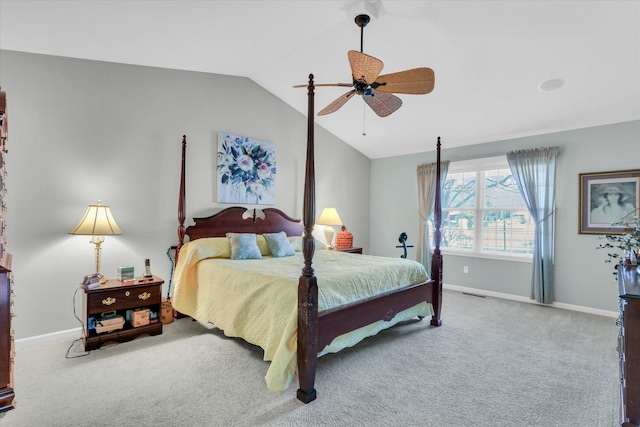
(499, 257)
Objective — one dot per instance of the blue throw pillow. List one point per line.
(244, 246)
(279, 244)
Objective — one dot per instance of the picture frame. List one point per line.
(607, 200)
(246, 170)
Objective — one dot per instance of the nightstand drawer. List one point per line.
(121, 299)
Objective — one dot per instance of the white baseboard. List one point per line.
(53, 336)
(76, 332)
(561, 305)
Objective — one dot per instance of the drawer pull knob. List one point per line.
(108, 301)
(144, 296)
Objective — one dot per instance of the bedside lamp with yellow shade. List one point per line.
(329, 217)
(97, 222)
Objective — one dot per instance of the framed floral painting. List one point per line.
(608, 201)
(246, 171)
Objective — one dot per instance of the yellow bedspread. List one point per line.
(257, 299)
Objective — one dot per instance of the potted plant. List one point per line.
(623, 248)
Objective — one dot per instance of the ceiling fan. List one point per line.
(378, 90)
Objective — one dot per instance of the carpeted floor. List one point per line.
(492, 363)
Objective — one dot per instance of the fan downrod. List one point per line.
(362, 21)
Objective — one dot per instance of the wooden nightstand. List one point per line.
(123, 299)
(350, 250)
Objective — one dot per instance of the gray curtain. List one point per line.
(535, 172)
(426, 202)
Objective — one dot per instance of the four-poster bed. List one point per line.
(313, 323)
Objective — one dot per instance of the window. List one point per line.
(483, 212)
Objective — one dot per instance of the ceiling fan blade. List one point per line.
(327, 84)
(416, 81)
(364, 66)
(382, 104)
(335, 105)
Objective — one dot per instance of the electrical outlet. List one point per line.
(465, 269)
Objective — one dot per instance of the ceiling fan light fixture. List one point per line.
(550, 85)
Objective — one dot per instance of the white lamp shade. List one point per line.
(329, 216)
(97, 221)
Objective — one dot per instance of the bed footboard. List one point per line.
(340, 320)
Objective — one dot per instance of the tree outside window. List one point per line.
(484, 212)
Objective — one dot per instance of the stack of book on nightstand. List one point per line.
(91, 281)
(125, 274)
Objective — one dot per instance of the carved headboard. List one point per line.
(237, 219)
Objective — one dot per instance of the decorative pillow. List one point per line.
(208, 247)
(279, 244)
(244, 246)
(296, 242)
(262, 245)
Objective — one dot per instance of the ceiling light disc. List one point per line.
(551, 84)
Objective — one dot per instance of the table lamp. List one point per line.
(97, 222)
(329, 217)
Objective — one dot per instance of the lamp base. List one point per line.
(98, 240)
(328, 236)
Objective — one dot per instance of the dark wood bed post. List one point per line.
(436, 258)
(307, 284)
(182, 204)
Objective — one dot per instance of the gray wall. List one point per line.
(87, 130)
(581, 276)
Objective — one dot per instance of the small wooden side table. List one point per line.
(123, 298)
(350, 250)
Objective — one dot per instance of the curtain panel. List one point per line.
(535, 172)
(426, 174)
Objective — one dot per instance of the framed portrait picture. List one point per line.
(608, 200)
(246, 171)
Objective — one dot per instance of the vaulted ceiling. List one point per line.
(489, 57)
